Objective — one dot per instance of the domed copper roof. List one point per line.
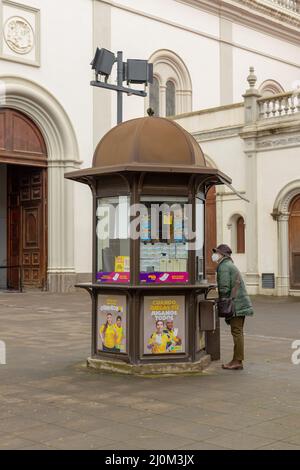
(148, 141)
(148, 145)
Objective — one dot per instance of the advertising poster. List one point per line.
(113, 277)
(164, 277)
(164, 324)
(122, 264)
(111, 323)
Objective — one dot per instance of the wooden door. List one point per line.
(23, 149)
(14, 273)
(294, 240)
(21, 142)
(240, 235)
(27, 225)
(210, 232)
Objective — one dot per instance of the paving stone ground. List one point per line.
(49, 401)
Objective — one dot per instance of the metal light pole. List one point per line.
(120, 84)
(140, 72)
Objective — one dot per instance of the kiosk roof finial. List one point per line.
(150, 112)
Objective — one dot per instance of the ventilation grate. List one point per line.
(268, 281)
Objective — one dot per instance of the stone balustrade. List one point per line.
(279, 105)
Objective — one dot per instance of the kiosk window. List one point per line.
(113, 245)
(199, 237)
(163, 242)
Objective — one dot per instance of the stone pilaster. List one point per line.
(249, 136)
(162, 100)
(283, 255)
(226, 62)
(252, 275)
(61, 269)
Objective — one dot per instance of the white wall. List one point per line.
(66, 53)
(265, 69)
(67, 49)
(140, 37)
(272, 59)
(229, 157)
(226, 154)
(284, 167)
(175, 12)
(276, 168)
(144, 26)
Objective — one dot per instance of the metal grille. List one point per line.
(268, 281)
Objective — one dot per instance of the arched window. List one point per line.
(170, 99)
(240, 235)
(236, 225)
(270, 87)
(154, 96)
(173, 82)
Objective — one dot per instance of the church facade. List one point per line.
(51, 121)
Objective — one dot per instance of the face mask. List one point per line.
(215, 257)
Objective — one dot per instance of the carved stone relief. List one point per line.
(19, 35)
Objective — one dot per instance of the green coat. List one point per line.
(226, 277)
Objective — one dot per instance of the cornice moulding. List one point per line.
(272, 129)
(279, 123)
(259, 24)
(214, 109)
(217, 133)
(258, 16)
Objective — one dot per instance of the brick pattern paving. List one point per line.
(48, 400)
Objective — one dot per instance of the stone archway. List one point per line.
(281, 213)
(294, 243)
(63, 155)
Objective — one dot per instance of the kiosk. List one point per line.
(150, 315)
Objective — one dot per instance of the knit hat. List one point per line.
(223, 249)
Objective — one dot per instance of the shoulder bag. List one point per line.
(225, 305)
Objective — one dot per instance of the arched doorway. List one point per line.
(23, 201)
(294, 242)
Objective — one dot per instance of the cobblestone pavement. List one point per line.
(48, 400)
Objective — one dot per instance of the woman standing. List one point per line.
(229, 279)
(108, 335)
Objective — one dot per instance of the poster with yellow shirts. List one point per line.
(111, 323)
(164, 324)
(122, 264)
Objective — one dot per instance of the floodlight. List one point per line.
(139, 71)
(132, 71)
(103, 62)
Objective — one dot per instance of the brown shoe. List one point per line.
(232, 366)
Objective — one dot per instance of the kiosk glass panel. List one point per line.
(164, 240)
(113, 244)
(200, 237)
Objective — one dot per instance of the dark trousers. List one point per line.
(110, 349)
(237, 331)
